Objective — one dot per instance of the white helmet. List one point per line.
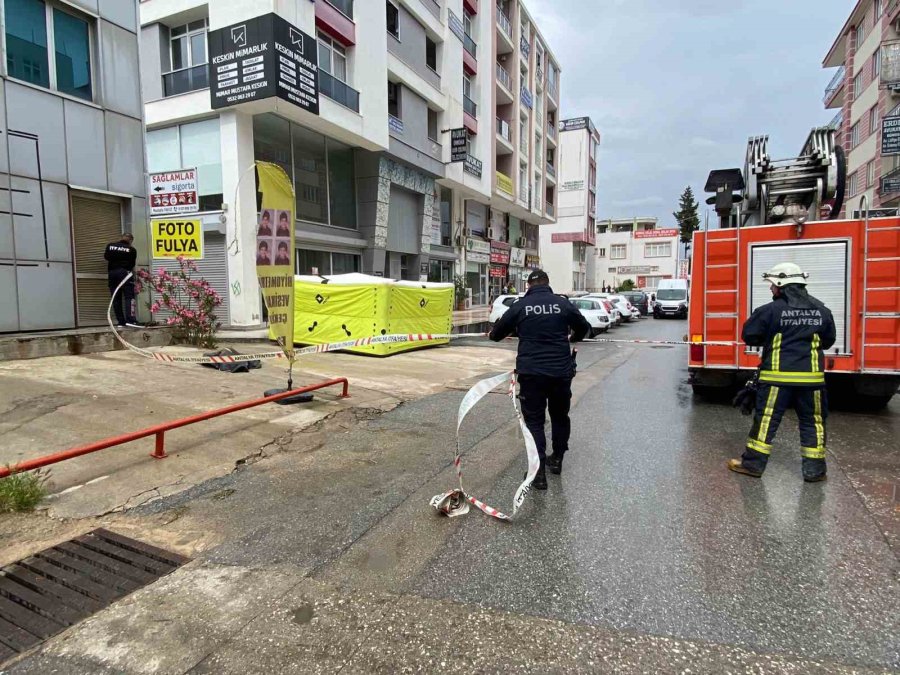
(786, 273)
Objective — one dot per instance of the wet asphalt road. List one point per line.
(645, 537)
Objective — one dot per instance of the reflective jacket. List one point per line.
(794, 340)
(542, 321)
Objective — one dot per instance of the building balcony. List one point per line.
(551, 210)
(525, 47)
(539, 121)
(504, 86)
(470, 60)
(337, 91)
(551, 173)
(504, 138)
(345, 7)
(504, 28)
(335, 17)
(505, 185)
(552, 95)
(470, 115)
(523, 145)
(185, 80)
(893, 11)
(469, 106)
(834, 92)
(837, 121)
(890, 66)
(471, 6)
(525, 196)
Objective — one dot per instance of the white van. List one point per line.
(671, 299)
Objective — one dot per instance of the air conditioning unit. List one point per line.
(492, 233)
(521, 242)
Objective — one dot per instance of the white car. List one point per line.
(620, 302)
(501, 304)
(595, 312)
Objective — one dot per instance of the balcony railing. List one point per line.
(337, 91)
(892, 7)
(503, 130)
(551, 170)
(470, 46)
(836, 83)
(504, 22)
(345, 7)
(552, 131)
(553, 90)
(504, 78)
(551, 210)
(539, 119)
(837, 121)
(469, 106)
(523, 196)
(523, 143)
(185, 80)
(890, 64)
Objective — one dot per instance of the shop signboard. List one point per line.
(472, 166)
(176, 237)
(478, 251)
(572, 186)
(532, 262)
(499, 254)
(517, 257)
(890, 135)
(459, 144)
(655, 234)
(173, 192)
(637, 269)
(261, 58)
(498, 271)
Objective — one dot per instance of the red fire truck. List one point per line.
(789, 211)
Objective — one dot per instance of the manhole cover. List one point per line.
(46, 593)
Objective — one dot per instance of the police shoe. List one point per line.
(540, 479)
(554, 464)
(737, 465)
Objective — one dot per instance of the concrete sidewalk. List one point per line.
(52, 404)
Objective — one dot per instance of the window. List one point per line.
(876, 64)
(393, 20)
(860, 33)
(873, 119)
(618, 251)
(467, 23)
(601, 252)
(34, 30)
(190, 145)
(857, 85)
(870, 174)
(394, 100)
(660, 249)
(467, 86)
(854, 184)
(433, 125)
(322, 169)
(854, 135)
(332, 57)
(431, 54)
(188, 44)
(324, 262)
(441, 271)
(879, 8)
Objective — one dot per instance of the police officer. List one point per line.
(120, 257)
(793, 330)
(545, 364)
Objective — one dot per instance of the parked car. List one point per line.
(613, 312)
(501, 304)
(621, 303)
(640, 300)
(594, 310)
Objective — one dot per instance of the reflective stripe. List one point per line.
(813, 453)
(815, 353)
(789, 377)
(759, 446)
(819, 421)
(767, 415)
(776, 352)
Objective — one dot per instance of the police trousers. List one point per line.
(772, 401)
(537, 394)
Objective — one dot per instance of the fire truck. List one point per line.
(790, 211)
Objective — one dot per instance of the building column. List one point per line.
(239, 187)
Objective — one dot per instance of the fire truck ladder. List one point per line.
(866, 314)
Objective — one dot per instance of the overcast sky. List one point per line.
(676, 87)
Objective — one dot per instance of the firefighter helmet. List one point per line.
(786, 273)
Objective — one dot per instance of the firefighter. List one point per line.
(545, 364)
(794, 330)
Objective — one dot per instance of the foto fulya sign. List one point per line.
(174, 237)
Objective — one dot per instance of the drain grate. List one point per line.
(43, 595)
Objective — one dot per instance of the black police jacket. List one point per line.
(793, 336)
(542, 320)
(120, 256)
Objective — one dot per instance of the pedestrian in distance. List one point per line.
(120, 257)
(794, 331)
(546, 324)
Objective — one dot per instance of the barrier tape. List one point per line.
(456, 502)
(664, 342)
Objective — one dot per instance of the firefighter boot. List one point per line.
(554, 464)
(737, 465)
(814, 470)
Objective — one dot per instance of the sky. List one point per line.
(676, 87)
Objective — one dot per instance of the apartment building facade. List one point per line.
(71, 157)
(635, 249)
(567, 245)
(865, 90)
(379, 187)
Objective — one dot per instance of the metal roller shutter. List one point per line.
(826, 264)
(95, 223)
(213, 268)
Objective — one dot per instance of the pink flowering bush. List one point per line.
(190, 301)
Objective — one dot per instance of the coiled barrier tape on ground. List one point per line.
(456, 502)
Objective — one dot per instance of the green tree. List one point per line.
(627, 285)
(687, 217)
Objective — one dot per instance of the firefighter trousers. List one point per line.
(772, 401)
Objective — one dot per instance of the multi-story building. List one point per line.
(379, 186)
(865, 90)
(71, 157)
(567, 245)
(635, 249)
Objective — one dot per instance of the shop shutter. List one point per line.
(95, 223)
(826, 264)
(404, 221)
(213, 268)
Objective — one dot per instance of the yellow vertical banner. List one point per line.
(275, 252)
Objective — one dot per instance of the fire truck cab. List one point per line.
(776, 215)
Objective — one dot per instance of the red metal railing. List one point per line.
(160, 430)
